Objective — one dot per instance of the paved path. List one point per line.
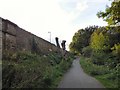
(76, 78)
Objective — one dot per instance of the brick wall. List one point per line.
(16, 39)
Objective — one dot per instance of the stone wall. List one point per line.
(0, 39)
(16, 39)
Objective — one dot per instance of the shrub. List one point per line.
(99, 58)
(115, 73)
(108, 76)
(33, 71)
(93, 69)
(116, 52)
(86, 51)
(26, 73)
(116, 49)
(55, 58)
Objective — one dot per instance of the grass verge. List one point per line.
(102, 73)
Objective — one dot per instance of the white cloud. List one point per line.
(81, 6)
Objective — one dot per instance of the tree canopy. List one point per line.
(81, 39)
(112, 13)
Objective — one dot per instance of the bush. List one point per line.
(55, 58)
(108, 76)
(86, 51)
(97, 58)
(115, 73)
(27, 73)
(116, 53)
(93, 69)
(33, 71)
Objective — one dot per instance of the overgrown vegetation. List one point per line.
(27, 70)
(101, 47)
(106, 75)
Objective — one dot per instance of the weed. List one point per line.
(33, 71)
(107, 76)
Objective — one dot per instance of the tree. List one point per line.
(81, 39)
(112, 16)
(57, 41)
(99, 41)
(112, 13)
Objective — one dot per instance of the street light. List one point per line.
(50, 36)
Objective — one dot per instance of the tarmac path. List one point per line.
(76, 78)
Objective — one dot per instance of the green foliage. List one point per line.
(99, 58)
(54, 58)
(93, 69)
(65, 65)
(87, 51)
(34, 71)
(99, 42)
(116, 50)
(111, 14)
(114, 35)
(108, 83)
(81, 39)
(102, 58)
(26, 71)
(107, 76)
(102, 46)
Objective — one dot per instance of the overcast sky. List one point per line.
(60, 17)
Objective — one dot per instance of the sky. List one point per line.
(60, 17)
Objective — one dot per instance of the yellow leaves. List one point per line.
(99, 41)
(116, 49)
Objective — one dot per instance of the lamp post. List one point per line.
(50, 36)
